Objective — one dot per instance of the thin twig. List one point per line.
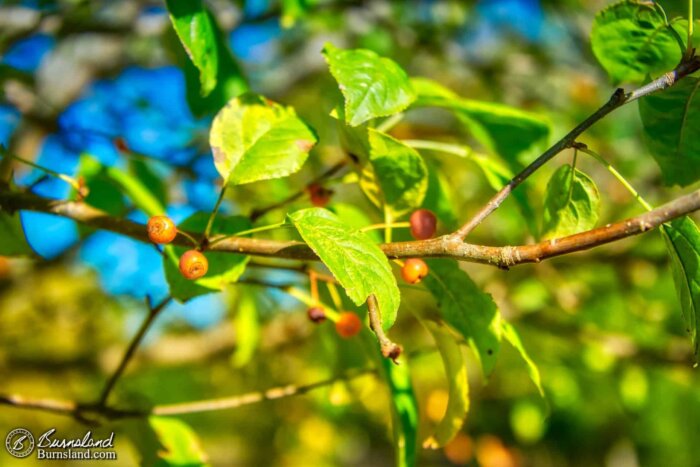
(389, 348)
(258, 213)
(85, 413)
(253, 397)
(618, 99)
(135, 342)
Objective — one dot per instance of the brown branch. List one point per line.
(617, 100)
(389, 348)
(135, 342)
(447, 246)
(253, 397)
(89, 413)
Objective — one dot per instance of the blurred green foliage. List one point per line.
(603, 326)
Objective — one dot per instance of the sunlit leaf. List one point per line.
(571, 203)
(671, 122)
(253, 139)
(632, 39)
(456, 372)
(358, 263)
(224, 268)
(399, 171)
(166, 442)
(467, 309)
(194, 28)
(683, 243)
(372, 86)
(513, 338)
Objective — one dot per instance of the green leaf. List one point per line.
(504, 130)
(13, 241)
(247, 328)
(513, 338)
(571, 203)
(372, 86)
(671, 121)
(467, 309)
(166, 442)
(194, 28)
(683, 243)
(358, 264)
(456, 372)
(632, 39)
(404, 411)
(400, 172)
(230, 81)
(253, 139)
(224, 268)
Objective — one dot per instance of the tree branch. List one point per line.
(447, 246)
(135, 342)
(618, 99)
(88, 412)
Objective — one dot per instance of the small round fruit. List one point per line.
(316, 314)
(193, 264)
(319, 195)
(423, 224)
(161, 229)
(348, 324)
(414, 270)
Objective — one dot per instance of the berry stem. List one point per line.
(395, 225)
(388, 222)
(613, 171)
(210, 222)
(249, 231)
(189, 237)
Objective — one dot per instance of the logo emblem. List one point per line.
(19, 442)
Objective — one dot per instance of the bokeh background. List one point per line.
(604, 326)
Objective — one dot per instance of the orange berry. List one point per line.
(348, 324)
(414, 270)
(423, 224)
(316, 314)
(161, 229)
(319, 195)
(193, 264)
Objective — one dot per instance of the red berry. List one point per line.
(316, 314)
(319, 195)
(423, 224)
(414, 270)
(193, 264)
(120, 144)
(161, 229)
(348, 324)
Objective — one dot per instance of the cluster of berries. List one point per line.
(162, 230)
(423, 224)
